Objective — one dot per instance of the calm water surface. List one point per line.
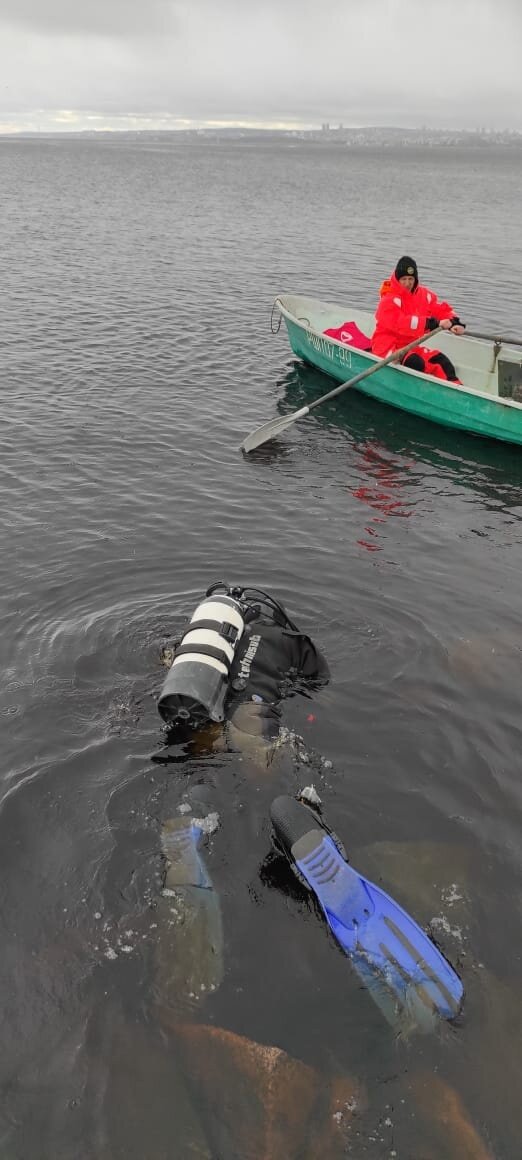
(136, 353)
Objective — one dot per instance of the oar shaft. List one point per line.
(395, 356)
(276, 426)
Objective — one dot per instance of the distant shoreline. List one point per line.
(381, 137)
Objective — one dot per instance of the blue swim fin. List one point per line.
(181, 841)
(409, 978)
(189, 942)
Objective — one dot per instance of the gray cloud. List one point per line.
(120, 18)
(356, 61)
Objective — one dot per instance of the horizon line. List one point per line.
(66, 120)
(325, 128)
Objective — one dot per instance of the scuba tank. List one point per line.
(199, 681)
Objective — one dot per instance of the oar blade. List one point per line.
(276, 426)
(271, 429)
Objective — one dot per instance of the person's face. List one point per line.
(408, 281)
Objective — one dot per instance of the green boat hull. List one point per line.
(432, 399)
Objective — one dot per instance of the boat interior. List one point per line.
(491, 367)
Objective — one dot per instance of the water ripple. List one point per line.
(136, 352)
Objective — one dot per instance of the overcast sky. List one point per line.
(118, 63)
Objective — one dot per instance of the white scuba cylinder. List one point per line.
(197, 684)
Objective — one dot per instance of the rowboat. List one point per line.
(490, 370)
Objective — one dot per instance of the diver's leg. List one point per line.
(253, 729)
(189, 936)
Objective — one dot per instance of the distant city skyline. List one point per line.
(326, 131)
(171, 64)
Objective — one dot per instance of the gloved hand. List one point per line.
(432, 323)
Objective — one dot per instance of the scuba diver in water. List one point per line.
(239, 656)
(251, 1076)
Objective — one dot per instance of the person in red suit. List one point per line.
(406, 310)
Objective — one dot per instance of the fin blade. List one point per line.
(412, 958)
(384, 943)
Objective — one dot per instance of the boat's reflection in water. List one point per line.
(392, 443)
(392, 458)
(383, 493)
(398, 466)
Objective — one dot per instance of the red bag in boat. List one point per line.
(350, 334)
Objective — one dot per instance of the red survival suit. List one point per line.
(402, 316)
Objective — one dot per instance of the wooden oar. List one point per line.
(276, 426)
(507, 338)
